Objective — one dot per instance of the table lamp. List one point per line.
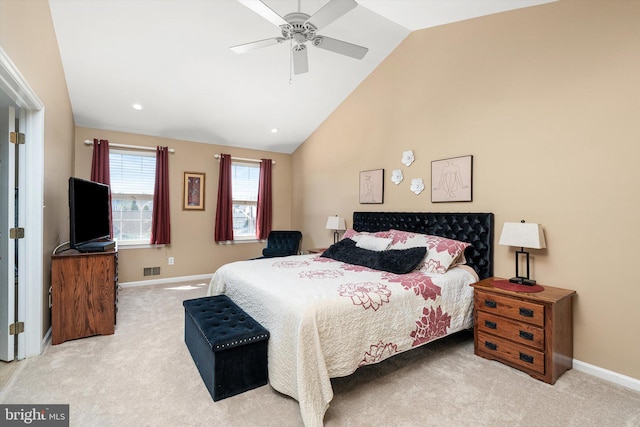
(335, 223)
(523, 235)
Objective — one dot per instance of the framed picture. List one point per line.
(193, 194)
(452, 179)
(372, 186)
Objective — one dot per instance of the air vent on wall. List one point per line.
(151, 271)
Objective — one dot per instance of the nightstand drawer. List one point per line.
(510, 307)
(519, 332)
(512, 352)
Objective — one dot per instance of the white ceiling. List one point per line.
(173, 58)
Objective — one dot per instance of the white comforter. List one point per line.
(327, 318)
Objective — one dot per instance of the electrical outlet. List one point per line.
(171, 260)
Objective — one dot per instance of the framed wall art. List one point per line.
(193, 194)
(372, 186)
(452, 179)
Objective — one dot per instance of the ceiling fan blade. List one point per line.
(242, 48)
(265, 11)
(300, 60)
(330, 12)
(338, 46)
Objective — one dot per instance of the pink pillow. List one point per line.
(442, 253)
(350, 233)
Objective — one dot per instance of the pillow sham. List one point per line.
(398, 261)
(442, 253)
(356, 235)
(349, 233)
(373, 243)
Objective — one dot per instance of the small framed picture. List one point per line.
(372, 186)
(193, 194)
(451, 179)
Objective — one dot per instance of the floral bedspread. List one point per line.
(327, 318)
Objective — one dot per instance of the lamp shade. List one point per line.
(336, 223)
(522, 234)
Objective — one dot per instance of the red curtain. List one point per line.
(224, 211)
(263, 221)
(160, 219)
(100, 170)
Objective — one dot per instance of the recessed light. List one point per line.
(274, 130)
(137, 107)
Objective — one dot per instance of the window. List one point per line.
(132, 185)
(245, 178)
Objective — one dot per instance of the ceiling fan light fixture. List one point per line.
(299, 38)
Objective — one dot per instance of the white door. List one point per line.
(8, 273)
(24, 304)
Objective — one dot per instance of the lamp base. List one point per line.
(522, 281)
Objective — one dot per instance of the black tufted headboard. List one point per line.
(474, 228)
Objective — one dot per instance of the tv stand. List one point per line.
(83, 294)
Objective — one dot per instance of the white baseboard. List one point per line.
(607, 375)
(206, 277)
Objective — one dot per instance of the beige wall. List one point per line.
(192, 244)
(546, 99)
(28, 38)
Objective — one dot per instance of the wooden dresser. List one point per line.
(83, 294)
(532, 332)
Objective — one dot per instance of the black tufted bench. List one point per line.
(227, 345)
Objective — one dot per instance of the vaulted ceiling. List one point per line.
(173, 58)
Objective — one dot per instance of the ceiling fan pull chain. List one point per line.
(291, 61)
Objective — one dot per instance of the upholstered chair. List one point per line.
(282, 243)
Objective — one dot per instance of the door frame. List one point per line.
(31, 292)
(8, 220)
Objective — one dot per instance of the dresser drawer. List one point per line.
(510, 351)
(524, 311)
(513, 330)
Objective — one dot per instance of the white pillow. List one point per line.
(373, 243)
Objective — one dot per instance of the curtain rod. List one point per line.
(217, 156)
(134, 147)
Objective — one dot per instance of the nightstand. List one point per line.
(532, 332)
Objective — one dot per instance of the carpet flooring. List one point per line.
(143, 375)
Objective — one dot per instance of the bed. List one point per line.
(328, 316)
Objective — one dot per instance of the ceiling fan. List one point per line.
(300, 28)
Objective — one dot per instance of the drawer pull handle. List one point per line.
(526, 358)
(526, 312)
(526, 335)
(489, 324)
(491, 346)
(490, 304)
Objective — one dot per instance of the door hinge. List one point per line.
(16, 328)
(16, 233)
(17, 138)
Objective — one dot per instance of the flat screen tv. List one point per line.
(89, 214)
